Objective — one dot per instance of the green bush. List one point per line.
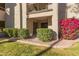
(44, 34)
(14, 32)
(11, 32)
(23, 33)
(8, 31)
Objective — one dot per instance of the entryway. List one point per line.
(41, 22)
(37, 25)
(44, 25)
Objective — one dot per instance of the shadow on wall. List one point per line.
(50, 24)
(10, 14)
(62, 11)
(20, 15)
(54, 35)
(62, 14)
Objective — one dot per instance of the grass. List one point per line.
(18, 49)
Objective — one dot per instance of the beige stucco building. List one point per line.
(36, 15)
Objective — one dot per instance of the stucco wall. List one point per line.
(50, 6)
(10, 14)
(16, 15)
(54, 25)
(24, 15)
(30, 26)
(73, 10)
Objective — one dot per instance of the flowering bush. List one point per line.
(69, 28)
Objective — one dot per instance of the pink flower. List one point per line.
(69, 25)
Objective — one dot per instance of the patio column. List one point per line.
(54, 21)
(24, 15)
(17, 16)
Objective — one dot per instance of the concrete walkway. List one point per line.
(36, 41)
(53, 44)
(64, 44)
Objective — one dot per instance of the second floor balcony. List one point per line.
(38, 7)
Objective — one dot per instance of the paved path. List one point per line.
(36, 41)
(64, 44)
(54, 43)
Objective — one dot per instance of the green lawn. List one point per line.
(18, 49)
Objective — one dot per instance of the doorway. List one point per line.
(44, 25)
(2, 24)
(35, 26)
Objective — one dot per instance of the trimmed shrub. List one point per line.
(8, 31)
(11, 32)
(45, 34)
(23, 33)
(14, 32)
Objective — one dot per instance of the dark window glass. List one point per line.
(2, 24)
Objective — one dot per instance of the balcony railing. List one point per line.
(37, 9)
(44, 10)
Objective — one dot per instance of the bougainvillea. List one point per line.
(69, 28)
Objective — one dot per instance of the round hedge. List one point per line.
(23, 33)
(11, 32)
(45, 34)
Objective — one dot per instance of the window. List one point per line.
(2, 24)
(44, 25)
